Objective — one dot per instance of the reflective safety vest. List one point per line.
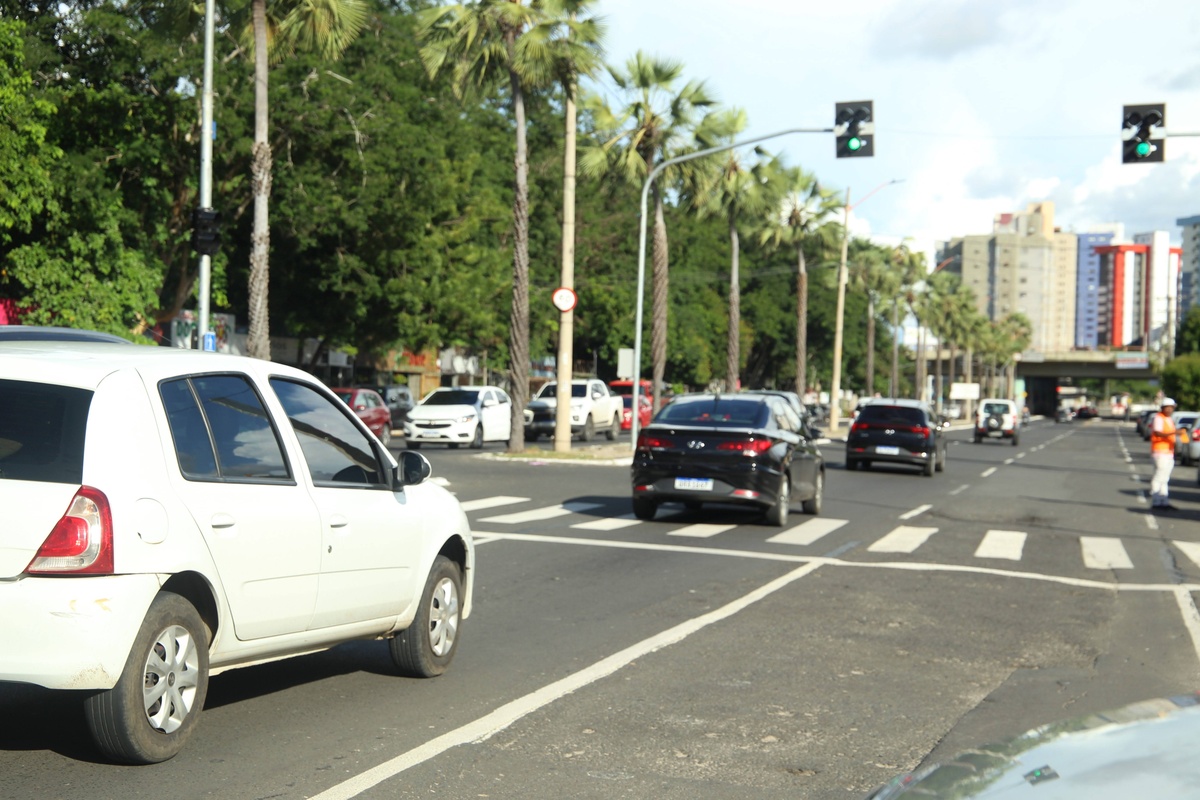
(1162, 434)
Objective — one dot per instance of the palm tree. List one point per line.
(868, 271)
(655, 122)
(483, 43)
(807, 217)
(907, 269)
(279, 29)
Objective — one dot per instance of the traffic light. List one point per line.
(1136, 125)
(206, 231)
(854, 127)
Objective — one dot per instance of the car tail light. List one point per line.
(921, 430)
(858, 427)
(747, 447)
(651, 442)
(81, 543)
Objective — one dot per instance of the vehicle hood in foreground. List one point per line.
(1144, 750)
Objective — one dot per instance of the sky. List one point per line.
(981, 106)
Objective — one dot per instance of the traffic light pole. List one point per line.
(641, 277)
(206, 146)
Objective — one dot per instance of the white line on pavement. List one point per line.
(1101, 552)
(962, 488)
(491, 502)
(808, 532)
(609, 523)
(538, 514)
(1151, 521)
(1001, 544)
(903, 539)
(701, 530)
(916, 512)
(987, 472)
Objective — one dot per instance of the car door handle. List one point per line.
(222, 521)
(338, 521)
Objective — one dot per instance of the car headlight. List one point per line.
(466, 418)
(528, 416)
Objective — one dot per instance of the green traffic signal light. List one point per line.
(1143, 149)
(854, 143)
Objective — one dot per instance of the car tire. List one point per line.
(864, 465)
(1016, 440)
(644, 508)
(589, 429)
(978, 438)
(812, 505)
(941, 462)
(927, 469)
(155, 705)
(426, 648)
(613, 429)
(777, 515)
(477, 439)
(851, 464)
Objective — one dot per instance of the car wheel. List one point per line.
(644, 508)
(385, 435)
(426, 648)
(851, 464)
(813, 504)
(777, 514)
(978, 438)
(155, 705)
(589, 429)
(477, 439)
(612, 429)
(1016, 440)
(864, 465)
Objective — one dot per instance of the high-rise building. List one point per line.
(1027, 266)
(1189, 294)
(1139, 294)
(1088, 288)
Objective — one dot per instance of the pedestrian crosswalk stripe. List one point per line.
(491, 502)
(1190, 549)
(902, 539)
(701, 530)
(808, 532)
(537, 514)
(608, 523)
(1001, 544)
(1104, 553)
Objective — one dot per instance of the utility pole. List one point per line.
(835, 390)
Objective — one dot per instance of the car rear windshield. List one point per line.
(720, 412)
(456, 397)
(42, 430)
(891, 415)
(996, 408)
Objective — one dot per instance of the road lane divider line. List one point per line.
(916, 512)
(902, 539)
(988, 472)
(1151, 522)
(960, 489)
(539, 514)
(491, 502)
(1002, 544)
(1191, 617)
(1008, 461)
(1103, 552)
(1020, 455)
(487, 726)
(808, 532)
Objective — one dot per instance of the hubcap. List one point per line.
(171, 676)
(443, 617)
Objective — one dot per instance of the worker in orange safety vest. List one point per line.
(1163, 434)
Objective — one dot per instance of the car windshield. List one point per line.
(892, 415)
(452, 397)
(721, 412)
(551, 390)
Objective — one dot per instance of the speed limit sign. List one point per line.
(564, 299)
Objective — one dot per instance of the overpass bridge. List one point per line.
(1043, 372)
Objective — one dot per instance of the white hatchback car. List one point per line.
(170, 514)
(460, 415)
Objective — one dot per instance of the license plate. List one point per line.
(694, 484)
(888, 451)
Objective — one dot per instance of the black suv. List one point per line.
(896, 431)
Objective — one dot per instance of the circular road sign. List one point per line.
(563, 299)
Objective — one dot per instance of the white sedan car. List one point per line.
(460, 415)
(169, 514)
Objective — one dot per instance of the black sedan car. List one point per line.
(745, 449)
(899, 432)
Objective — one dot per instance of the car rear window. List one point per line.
(720, 412)
(996, 408)
(42, 429)
(891, 415)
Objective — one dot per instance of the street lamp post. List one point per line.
(206, 145)
(835, 390)
(641, 278)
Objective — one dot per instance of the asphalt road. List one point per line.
(708, 655)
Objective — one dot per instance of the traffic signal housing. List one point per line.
(206, 231)
(854, 127)
(1137, 123)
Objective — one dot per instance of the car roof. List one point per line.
(84, 365)
(50, 333)
(896, 401)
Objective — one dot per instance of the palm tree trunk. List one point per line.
(921, 365)
(969, 405)
(801, 323)
(733, 354)
(870, 344)
(258, 342)
(894, 386)
(937, 383)
(519, 326)
(658, 330)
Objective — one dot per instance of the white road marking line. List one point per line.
(609, 523)
(1151, 522)
(491, 502)
(987, 472)
(1020, 455)
(485, 727)
(537, 514)
(1190, 549)
(1103, 552)
(962, 488)
(808, 532)
(916, 512)
(903, 539)
(701, 530)
(1191, 617)
(1141, 497)
(1002, 544)
(1008, 461)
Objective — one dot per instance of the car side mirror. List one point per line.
(489, 403)
(414, 468)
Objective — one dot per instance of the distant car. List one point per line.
(1143, 423)
(370, 408)
(792, 398)
(593, 407)
(645, 412)
(997, 419)
(1186, 452)
(169, 514)
(44, 333)
(896, 431)
(468, 415)
(399, 400)
(1064, 414)
(749, 450)
(1087, 412)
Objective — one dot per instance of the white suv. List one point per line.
(170, 514)
(997, 419)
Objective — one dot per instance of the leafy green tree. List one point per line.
(1188, 340)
